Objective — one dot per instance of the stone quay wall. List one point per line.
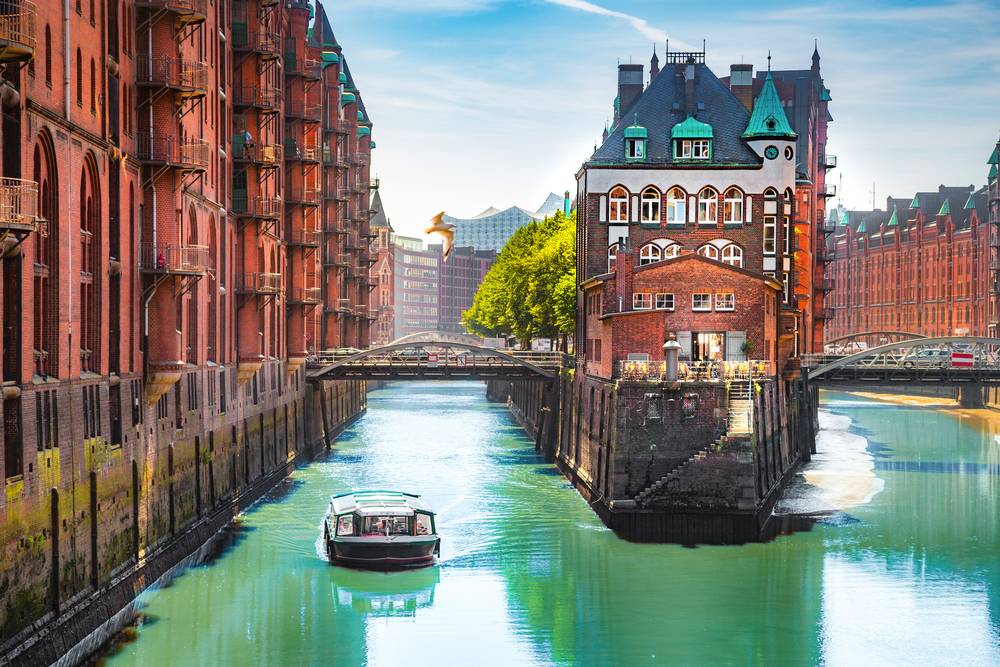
(655, 461)
(76, 555)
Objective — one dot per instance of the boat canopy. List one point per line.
(380, 503)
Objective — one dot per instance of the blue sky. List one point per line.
(491, 102)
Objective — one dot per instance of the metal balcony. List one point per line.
(829, 161)
(830, 190)
(18, 205)
(361, 310)
(254, 282)
(824, 284)
(160, 258)
(266, 155)
(297, 150)
(304, 67)
(173, 151)
(17, 30)
(305, 237)
(307, 196)
(334, 227)
(186, 78)
(306, 295)
(342, 126)
(305, 110)
(256, 206)
(362, 158)
(266, 44)
(268, 100)
(343, 305)
(337, 192)
(335, 259)
(824, 314)
(187, 12)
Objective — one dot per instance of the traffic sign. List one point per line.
(962, 360)
(460, 361)
(432, 360)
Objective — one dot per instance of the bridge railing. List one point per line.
(418, 355)
(695, 371)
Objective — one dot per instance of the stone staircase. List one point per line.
(678, 471)
(740, 418)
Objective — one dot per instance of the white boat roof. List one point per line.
(379, 503)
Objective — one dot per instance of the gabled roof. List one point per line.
(768, 118)
(379, 219)
(945, 208)
(893, 221)
(328, 38)
(994, 157)
(662, 106)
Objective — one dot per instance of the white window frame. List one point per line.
(732, 255)
(649, 253)
(693, 149)
(707, 301)
(650, 205)
(618, 206)
(725, 301)
(733, 206)
(636, 149)
(769, 241)
(788, 236)
(662, 298)
(671, 250)
(708, 206)
(710, 251)
(642, 301)
(612, 255)
(676, 205)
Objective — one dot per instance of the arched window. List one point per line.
(770, 221)
(46, 292)
(708, 203)
(671, 250)
(612, 254)
(79, 78)
(733, 206)
(732, 254)
(675, 206)
(650, 253)
(710, 251)
(650, 205)
(618, 208)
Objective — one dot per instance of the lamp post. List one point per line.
(671, 351)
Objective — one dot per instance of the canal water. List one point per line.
(902, 569)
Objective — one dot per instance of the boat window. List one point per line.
(423, 524)
(345, 525)
(386, 525)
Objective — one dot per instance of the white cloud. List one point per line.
(639, 24)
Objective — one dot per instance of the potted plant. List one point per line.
(747, 348)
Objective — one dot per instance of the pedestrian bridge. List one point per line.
(413, 359)
(942, 361)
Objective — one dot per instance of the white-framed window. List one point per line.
(671, 250)
(788, 236)
(636, 148)
(710, 251)
(733, 206)
(725, 301)
(732, 255)
(693, 149)
(642, 301)
(650, 205)
(701, 301)
(788, 287)
(612, 254)
(769, 231)
(675, 206)
(664, 301)
(708, 207)
(618, 206)
(650, 253)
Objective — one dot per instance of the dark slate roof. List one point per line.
(379, 219)
(655, 111)
(357, 94)
(328, 37)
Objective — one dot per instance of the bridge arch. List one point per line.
(819, 371)
(439, 337)
(874, 337)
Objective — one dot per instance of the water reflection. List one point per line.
(397, 594)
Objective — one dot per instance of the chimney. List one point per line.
(629, 87)
(741, 83)
(654, 65)
(623, 276)
(566, 203)
(690, 71)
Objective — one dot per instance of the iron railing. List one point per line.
(18, 203)
(307, 67)
(362, 158)
(307, 295)
(306, 237)
(342, 126)
(246, 38)
(303, 195)
(183, 7)
(298, 150)
(252, 95)
(258, 207)
(17, 29)
(173, 258)
(344, 305)
(829, 161)
(303, 109)
(694, 371)
(251, 151)
(172, 72)
(255, 282)
(824, 284)
(173, 150)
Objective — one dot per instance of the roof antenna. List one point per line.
(769, 60)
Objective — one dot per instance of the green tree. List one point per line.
(531, 291)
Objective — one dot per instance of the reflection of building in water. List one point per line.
(400, 594)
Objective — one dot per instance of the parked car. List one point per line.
(927, 358)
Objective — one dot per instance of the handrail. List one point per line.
(172, 150)
(18, 202)
(170, 258)
(17, 22)
(170, 71)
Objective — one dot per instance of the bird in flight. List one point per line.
(445, 229)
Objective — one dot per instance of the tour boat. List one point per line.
(380, 530)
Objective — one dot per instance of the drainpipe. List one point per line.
(66, 51)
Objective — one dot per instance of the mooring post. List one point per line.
(322, 410)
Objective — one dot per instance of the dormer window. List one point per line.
(692, 140)
(635, 142)
(692, 149)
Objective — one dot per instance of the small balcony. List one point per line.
(307, 196)
(188, 79)
(343, 305)
(824, 314)
(17, 30)
(304, 67)
(361, 310)
(335, 258)
(362, 158)
(268, 100)
(266, 44)
(342, 126)
(829, 162)
(298, 150)
(254, 282)
(187, 12)
(18, 206)
(307, 111)
(306, 295)
(164, 258)
(173, 151)
(255, 206)
(824, 284)
(309, 238)
(337, 192)
(830, 190)
(266, 155)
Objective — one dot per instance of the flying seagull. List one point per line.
(445, 229)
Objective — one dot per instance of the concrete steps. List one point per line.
(678, 471)
(740, 417)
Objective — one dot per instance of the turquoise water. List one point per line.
(905, 574)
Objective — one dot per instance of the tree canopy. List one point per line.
(531, 291)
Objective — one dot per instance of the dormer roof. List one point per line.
(691, 128)
(768, 118)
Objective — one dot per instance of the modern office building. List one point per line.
(458, 283)
(416, 273)
(491, 229)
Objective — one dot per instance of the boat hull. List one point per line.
(383, 552)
